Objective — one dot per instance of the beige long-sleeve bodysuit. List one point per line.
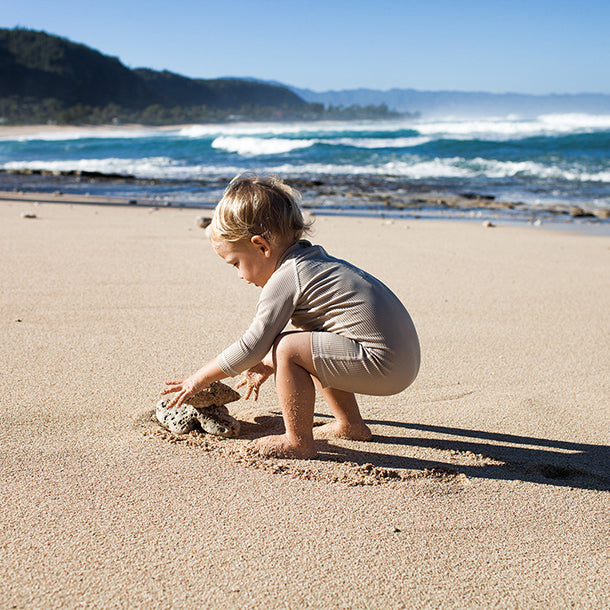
(363, 339)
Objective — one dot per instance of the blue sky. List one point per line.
(524, 46)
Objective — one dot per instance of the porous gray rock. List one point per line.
(178, 420)
(214, 419)
(205, 410)
(216, 393)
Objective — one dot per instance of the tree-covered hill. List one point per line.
(37, 65)
(45, 77)
(227, 93)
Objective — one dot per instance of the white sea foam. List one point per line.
(456, 167)
(513, 127)
(479, 129)
(373, 143)
(252, 146)
(414, 168)
(504, 128)
(576, 122)
(259, 146)
(294, 129)
(148, 167)
(436, 168)
(489, 128)
(531, 169)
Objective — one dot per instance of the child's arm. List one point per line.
(190, 386)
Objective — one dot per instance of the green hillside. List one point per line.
(48, 78)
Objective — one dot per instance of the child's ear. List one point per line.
(261, 244)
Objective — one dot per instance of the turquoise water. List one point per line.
(551, 160)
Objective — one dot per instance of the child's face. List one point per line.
(254, 260)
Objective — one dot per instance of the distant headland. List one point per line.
(48, 79)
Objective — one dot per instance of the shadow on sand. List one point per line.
(497, 456)
(474, 453)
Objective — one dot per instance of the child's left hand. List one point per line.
(254, 378)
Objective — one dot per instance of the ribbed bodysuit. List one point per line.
(363, 339)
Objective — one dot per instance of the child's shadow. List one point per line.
(475, 453)
(499, 456)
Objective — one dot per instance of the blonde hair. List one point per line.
(253, 205)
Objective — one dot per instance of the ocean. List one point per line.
(553, 162)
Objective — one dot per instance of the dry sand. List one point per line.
(10, 131)
(486, 483)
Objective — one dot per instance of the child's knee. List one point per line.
(293, 347)
(283, 348)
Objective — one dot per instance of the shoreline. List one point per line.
(425, 208)
(10, 131)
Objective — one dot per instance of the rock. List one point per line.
(205, 410)
(203, 222)
(28, 215)
(577, 212)
(177, 420)
(216, 393)
(603, 213)
(214, 419)
(477, 197)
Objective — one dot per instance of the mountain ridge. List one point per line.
(463, 104)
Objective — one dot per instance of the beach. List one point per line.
(486, 483)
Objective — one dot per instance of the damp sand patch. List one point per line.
(339, 461)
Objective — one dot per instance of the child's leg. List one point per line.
(294, 375)
(293, 363)
(349, 423)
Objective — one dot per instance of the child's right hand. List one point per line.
(185, 388)
(254, 378)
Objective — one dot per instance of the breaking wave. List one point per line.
(563, 157)
(414, 168)
(259, 146)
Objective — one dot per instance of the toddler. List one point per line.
(354, 335)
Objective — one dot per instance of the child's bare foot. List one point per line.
(281, 447)
(347, 431)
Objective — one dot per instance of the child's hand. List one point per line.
(254, 378)
(184, 389)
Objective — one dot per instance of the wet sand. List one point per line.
(486, 483)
